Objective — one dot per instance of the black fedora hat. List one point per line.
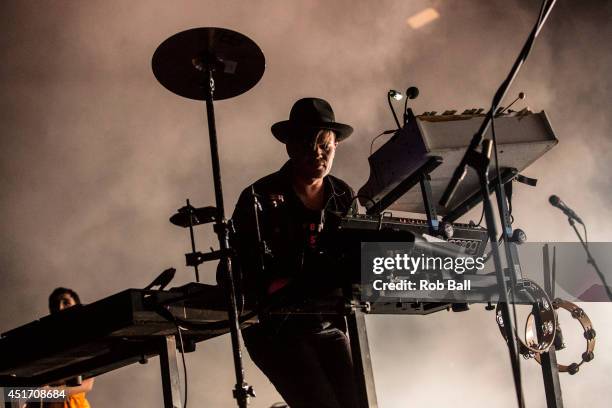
(310, 114)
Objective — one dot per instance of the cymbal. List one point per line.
(199, 216)
(178, 63)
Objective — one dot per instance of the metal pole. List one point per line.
(480, 162)
(241, 390)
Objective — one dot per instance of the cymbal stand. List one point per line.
(242, 391)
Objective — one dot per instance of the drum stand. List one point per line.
(188, 64)
(242, 391)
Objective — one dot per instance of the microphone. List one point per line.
(411, 93)
(555, 201)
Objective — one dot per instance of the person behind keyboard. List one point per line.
(60, 299)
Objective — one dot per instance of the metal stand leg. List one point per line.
(550, 373)
(480, 162)
(170, 373)
(550, 370)
(362, 363)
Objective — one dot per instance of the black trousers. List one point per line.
(309, 370)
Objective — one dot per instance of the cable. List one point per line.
(386, 132)
(406, 107)
(481, 217)
(499, 241)
(217, 325)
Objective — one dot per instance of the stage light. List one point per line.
(395, 95)
(423, 18)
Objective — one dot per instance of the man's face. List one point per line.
(313, 155)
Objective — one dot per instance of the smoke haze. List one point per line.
(95, 156)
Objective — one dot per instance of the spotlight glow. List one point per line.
(423, 18)
(396, 95)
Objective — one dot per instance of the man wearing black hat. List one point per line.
(279, 221)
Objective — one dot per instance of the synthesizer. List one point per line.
(522, 138)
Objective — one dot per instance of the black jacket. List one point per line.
(291, 248)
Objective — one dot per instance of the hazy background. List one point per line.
(95, 156)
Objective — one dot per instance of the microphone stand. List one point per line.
(590, 259)
(461, 170)
(480, 161)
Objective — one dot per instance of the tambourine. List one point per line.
(547, 316)
(589, 334)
